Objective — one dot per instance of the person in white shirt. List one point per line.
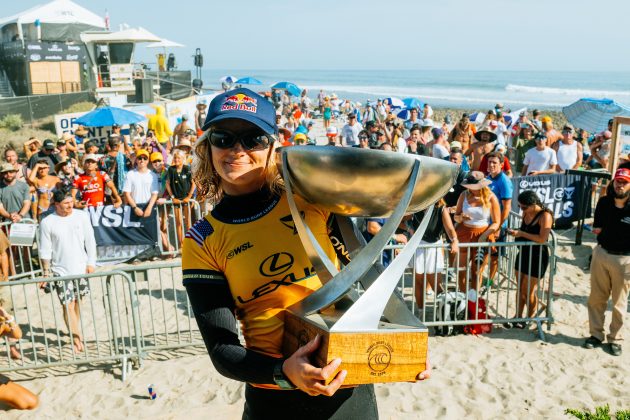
(427, 112)
(568, 150)
(440, 147)
(541, 159)
(350, 131)
(141, 186)
(67, 247)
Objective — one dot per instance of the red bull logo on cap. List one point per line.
(240, 102)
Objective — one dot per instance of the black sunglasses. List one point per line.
(142, 158)
(223, 139)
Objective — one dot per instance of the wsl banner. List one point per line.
(120, 234)
(559, 192)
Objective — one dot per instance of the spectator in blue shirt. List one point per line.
(501, 186)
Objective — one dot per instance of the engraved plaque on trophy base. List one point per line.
(393, 353)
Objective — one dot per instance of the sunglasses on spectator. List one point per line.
(157, 161)
(142, 158)
(363, 138)
(223, 139)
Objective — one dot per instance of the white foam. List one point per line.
(446, 94)
(566, 92)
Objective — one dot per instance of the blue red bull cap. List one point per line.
(242, 104)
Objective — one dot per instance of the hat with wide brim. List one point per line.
(81, 131)
(475, 180)
(493, 135)
(61, 164)
(7, 167)
(183, 143)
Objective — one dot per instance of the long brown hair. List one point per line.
(484, 196)
(208, 180)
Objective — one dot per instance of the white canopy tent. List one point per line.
(166, 43)
(127, 35)
(57, 12)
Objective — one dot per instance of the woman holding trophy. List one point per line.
(245, 261)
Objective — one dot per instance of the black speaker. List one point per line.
(144, 91)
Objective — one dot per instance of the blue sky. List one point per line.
(558, 35)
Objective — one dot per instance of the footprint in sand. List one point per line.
(209, 397)
(382, 392)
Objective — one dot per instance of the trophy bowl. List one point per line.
(363, 182)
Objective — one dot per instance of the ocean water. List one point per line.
(450, 88)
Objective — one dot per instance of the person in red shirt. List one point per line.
(92, 185)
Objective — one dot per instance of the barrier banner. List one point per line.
(560, 193)
(120, 234)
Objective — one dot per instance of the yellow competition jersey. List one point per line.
(265, 265)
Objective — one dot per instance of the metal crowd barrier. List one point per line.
(108, 326)
(173, 222)
(165, 317)
(500, 291)
(139, 309)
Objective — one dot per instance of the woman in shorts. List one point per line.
(532, 260)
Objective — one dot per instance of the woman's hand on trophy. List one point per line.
(309, 378)
(425, 374)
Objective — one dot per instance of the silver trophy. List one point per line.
(374, 333)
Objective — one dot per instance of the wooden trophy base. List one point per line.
(393, 353)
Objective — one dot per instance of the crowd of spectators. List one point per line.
(489, 154)
(149, 168)
(139, 168)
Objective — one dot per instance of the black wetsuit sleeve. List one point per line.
(213, 307)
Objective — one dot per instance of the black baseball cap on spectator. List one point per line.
(89, 144)
(115, 125)
(351, 115)
(60, 195)
(48, 144)
(370, 124)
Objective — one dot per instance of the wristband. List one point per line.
(9, 320)
(280, 378)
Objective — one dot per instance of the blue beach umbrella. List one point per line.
(394, 102)
(291, 88)
(412, 103)
(248, 81)
(403, 114)
(592, 114)
(107, 116)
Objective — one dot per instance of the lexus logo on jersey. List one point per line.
(276, 264)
